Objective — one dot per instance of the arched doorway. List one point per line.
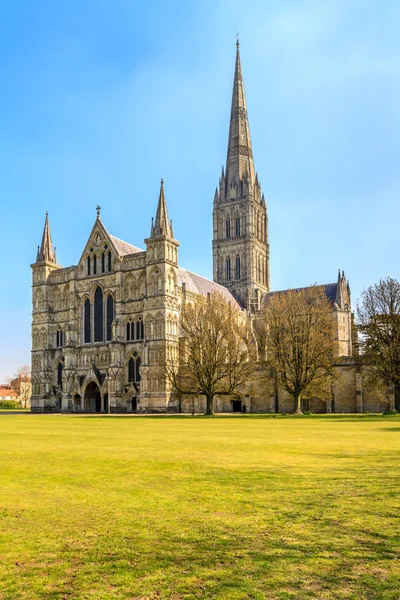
(92, 397)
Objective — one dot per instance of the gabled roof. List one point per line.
(123, 248)
(200, 285)
(120, 247)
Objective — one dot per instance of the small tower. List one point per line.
(45, 264)
(343, 317)
(161, 309)
(240, 236)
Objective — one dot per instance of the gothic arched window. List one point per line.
(228, 229)
(237, 267)
(134, 368)
(59, 374)
(139, 329)
(228, 269)
(103, 263)
(87, 324)
(98, 315)
(110, 317)
(128, 331)
(237, 227)
(88, 265)
(109, 261)
(131, 370)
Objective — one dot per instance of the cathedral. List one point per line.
(99, 328)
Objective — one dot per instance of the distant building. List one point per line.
(99, 328)
(8, 394)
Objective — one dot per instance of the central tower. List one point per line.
(240, 223)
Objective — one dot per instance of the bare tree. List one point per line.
(214, 354)
(299, 341)
(21, 383)
(378, 316)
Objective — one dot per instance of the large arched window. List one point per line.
(98, 315)
(110, 317)
(59, 374)
(87, 325)
(131, 369)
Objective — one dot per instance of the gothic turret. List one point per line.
(240, 240)
(46, 253)
(162, 225)
(161, 312)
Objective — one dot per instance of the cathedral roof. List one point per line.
(123, 248)
(200, 285)
(331, 291)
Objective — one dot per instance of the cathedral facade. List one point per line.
(99, 328)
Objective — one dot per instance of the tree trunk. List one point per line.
(209, 409)
(297, 400)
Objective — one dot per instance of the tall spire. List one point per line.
(240, 222)
(239, 160)
(162, 225)
(46, 253)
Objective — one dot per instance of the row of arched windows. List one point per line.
(228, 228)
(105, 261)
(228, 269)
(101, 314)
(135, 330)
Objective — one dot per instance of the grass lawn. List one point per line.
(233, 508)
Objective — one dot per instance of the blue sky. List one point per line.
(101, 99)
